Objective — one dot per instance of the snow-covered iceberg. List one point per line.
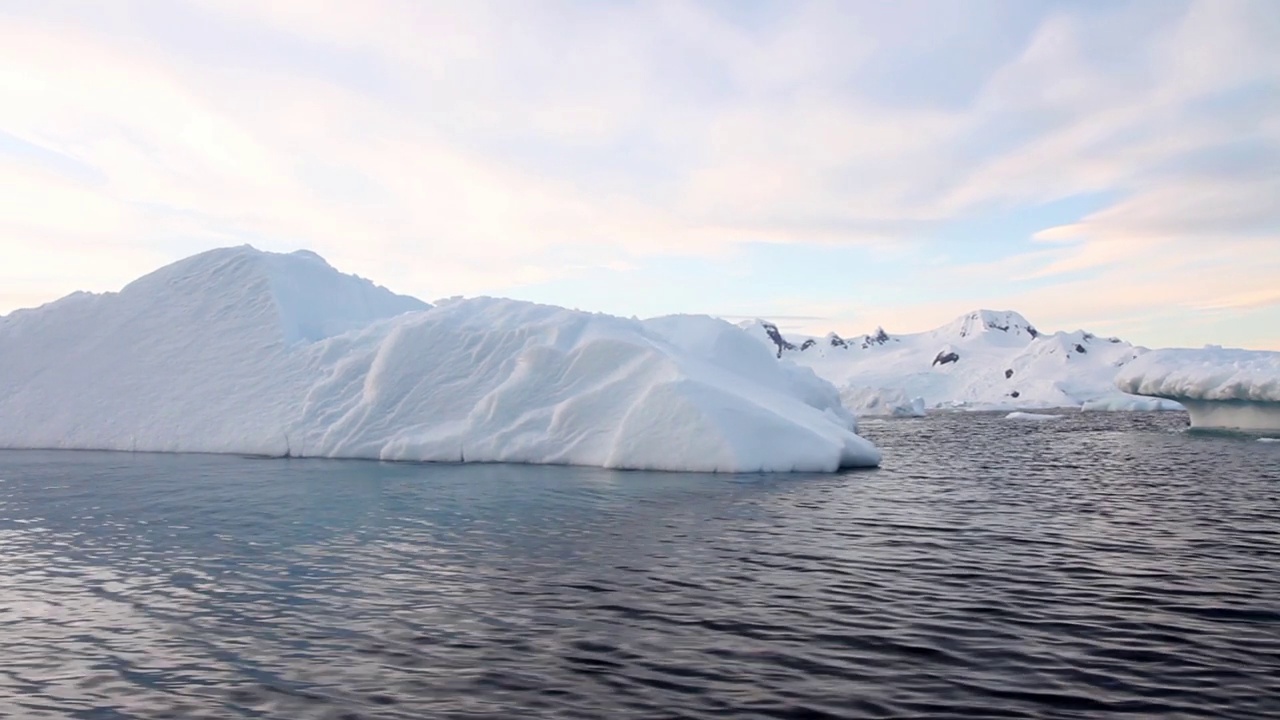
(241, 351)
(1219, 387)
(886, 402)
(1031, 417)
(1123, 402)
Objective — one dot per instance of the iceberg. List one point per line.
(887, 402)
(242, 351)
(1123, 402)
(1220, 387)
(1032, 417)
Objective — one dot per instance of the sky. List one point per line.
(1097, 164)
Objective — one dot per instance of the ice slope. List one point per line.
(242, 351)
(199, 355)
(1220, 387)
(982, 360)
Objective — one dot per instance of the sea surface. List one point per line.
(1103, 565)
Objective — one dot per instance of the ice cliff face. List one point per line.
(984, 359)
(242, 351)
(1220, 387)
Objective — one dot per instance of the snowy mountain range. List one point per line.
(983, 360)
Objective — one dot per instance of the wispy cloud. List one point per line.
(450, 148)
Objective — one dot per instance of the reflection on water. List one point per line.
(1103, 564)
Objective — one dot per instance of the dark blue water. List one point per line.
(1102, 566)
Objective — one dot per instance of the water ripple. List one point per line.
(1105, 565)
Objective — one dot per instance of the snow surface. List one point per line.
(1034, 417)
(1211, 373)
(1220, 387)
(984, 360)
(240, 351)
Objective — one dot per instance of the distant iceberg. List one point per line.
(241, 351)
(1220, 388)
(885, 402)
(1120, 402)
(1031, 417)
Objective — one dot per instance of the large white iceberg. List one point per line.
(1220, 387)
(240, 351)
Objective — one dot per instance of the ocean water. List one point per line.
(1103, 565)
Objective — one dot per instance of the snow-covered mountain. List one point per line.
(241, 351)
(981, 360)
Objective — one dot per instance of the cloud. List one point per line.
(1143, 302)
(450, 148)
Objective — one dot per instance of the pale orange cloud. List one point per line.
(420, 184)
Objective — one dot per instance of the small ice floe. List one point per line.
(1034, 417)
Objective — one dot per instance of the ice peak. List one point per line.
(308, 297)
(310, 255)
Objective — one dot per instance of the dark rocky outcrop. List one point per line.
(880, 337)
(1080, 349)
(837, 341)
(808, 344)
(772, 331)
(946, 357)
(1008, 373)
